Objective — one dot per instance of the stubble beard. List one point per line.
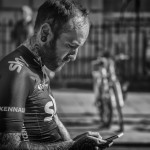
(49, 56)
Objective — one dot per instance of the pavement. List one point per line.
(77, 111)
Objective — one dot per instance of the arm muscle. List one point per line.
(62, 130)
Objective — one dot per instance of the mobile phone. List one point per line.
(114, 137)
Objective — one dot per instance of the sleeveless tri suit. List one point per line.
(26, 101)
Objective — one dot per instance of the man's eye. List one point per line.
(70, 46)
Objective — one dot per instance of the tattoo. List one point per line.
(12, 141)
(32, 146)
(35, 50)
(61, 146)
(55, 146)
(9, 140)
(83, 144)
(32, 46)
(88, 144)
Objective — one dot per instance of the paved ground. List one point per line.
(77, 111)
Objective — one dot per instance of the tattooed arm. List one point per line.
(86, 141)
(11, 141)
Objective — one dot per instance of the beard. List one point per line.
(49, 56)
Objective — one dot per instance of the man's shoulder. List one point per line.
(14, 64)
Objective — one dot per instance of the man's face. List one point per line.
(65, 48)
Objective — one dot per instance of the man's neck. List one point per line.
(32, 46)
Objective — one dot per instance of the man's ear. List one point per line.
(46, 33)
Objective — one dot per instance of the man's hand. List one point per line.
(89, 141)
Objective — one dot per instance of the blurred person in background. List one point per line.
(107, 89)
(28, 111)
(23, 28)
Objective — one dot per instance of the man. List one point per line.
(28, 114)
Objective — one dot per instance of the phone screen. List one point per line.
(114, 137)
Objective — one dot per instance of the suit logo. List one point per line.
(42, 86)
(17, 64)
(50, 108)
